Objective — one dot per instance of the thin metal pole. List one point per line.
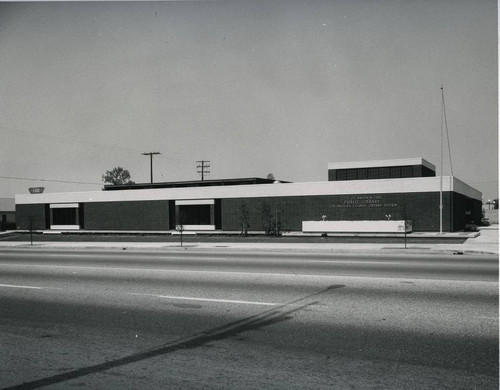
(31, 230)
(441, 173)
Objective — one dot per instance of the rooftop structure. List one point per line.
(381, 169)
(193, 183)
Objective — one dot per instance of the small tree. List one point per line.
(244, 216)
(272, 219)
(270, 176)
(117, 176)
(266, 217)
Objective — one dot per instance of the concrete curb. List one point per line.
(220, 247)
(483, 242)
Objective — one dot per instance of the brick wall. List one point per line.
(134, 215)
(38, 212)
(421, 208)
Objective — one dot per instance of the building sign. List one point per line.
(363, 201)
(36, 190)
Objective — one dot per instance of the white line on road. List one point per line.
(95, 268)
(14, 286)
(208, 300)
(353, 262)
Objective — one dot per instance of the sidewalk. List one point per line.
(485, 242)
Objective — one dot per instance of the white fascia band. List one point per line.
(64, 206)
(194, 202)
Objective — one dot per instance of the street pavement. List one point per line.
(486, 241)
(161, 319)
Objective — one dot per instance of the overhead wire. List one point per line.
(64, 140)
(101, 145)
(445, 122)
(48, 180)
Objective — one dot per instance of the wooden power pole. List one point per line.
(202, 166)
(151, 154)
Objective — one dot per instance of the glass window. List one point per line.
(373, 173)
(407, 171)
(64, 216)
(395, 172)
(352, 174)
(384, 173)
(194, 214)
(341, 174)
(362, 173)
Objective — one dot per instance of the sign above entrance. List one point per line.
(36, 190)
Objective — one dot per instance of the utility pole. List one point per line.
(202, 165)
(150, 154)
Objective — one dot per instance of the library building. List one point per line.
(388, 196)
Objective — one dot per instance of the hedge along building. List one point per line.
(406, 189)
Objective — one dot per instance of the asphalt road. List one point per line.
(233, 320)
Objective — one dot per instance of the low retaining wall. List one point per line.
(356, 226)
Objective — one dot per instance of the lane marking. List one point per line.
(15, 286)
(355, 262)
(208, 299)
(272, 274)
(167, 270)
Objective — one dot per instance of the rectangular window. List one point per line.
(407, 171)
(384, 173)
(373, 173)
(194, 214)
(352, 174)
(395, 172)
(66, 216)
(362, 173)
(341, 174)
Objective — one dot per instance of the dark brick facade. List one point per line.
(133, 215)
(472, 214)
(38, 213)
(421, 208)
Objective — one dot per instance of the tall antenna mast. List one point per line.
(445, 121)
(441, 171)
(444, 125)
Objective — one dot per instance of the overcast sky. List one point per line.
(256, 87)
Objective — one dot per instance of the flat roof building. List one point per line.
(406, 189)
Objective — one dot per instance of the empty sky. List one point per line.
(253, 86)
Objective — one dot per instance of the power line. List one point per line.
(65, 140)
(48, 180)
(445, 123)
(72, 141)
